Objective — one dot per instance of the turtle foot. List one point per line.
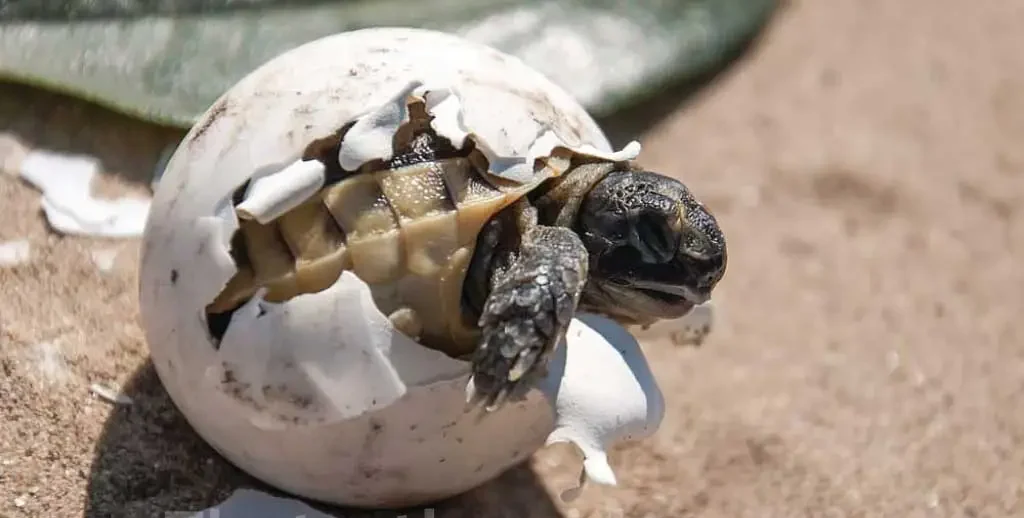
(527, 314)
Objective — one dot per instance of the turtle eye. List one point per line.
(603, 227)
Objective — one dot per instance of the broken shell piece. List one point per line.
(280, 191)
(625, 404)
(317, 393)
(371, 137)
(68, 203)
(250, 503)
(110, 395)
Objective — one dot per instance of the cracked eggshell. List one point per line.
(318, 395)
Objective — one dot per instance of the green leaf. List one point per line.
(166, 61)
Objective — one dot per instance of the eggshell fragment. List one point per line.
(371, 136)
(622, 403)
(319, 395)
(276, 193)
(67, 200)
(248, 503)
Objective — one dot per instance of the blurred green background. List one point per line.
(166, 61)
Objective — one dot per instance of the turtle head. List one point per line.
(655, 251)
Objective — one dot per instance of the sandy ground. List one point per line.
(866, 162)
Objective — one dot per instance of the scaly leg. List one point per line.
(536, 279)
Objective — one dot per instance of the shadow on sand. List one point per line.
(126, 147)
(150, 463)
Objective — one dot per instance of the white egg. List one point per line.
(319, 395)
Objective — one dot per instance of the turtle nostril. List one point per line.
(715, 271)
(706, 271)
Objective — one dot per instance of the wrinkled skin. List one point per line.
(611, 239)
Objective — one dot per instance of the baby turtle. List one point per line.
(485, 266)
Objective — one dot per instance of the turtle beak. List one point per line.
(691, 295)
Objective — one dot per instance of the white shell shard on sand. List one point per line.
(249, 503)
(67, 200)
(319, 395)
(13, 253)
(110, 395)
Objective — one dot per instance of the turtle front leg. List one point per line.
(536, 279)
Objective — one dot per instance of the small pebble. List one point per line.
(104, 258)
(20, 502)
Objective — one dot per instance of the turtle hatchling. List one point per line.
(470, 250)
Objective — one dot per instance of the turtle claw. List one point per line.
(490, 400)
(523, 363)
(489, 394)
(492, 392)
